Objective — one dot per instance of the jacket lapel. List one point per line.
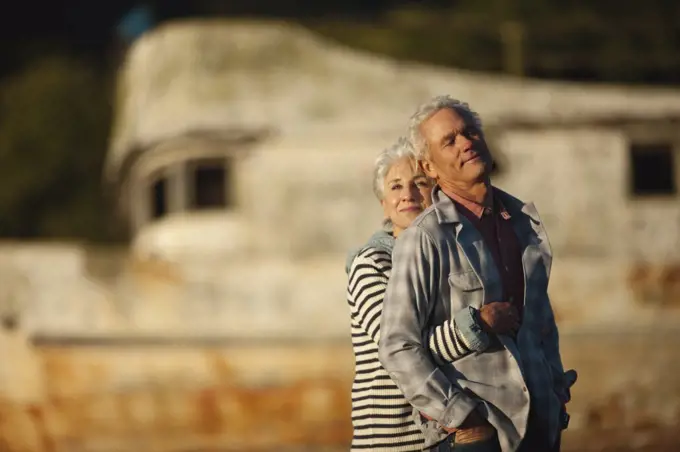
(536, 252)
(534, 235)
(480, 259)
(471, 242)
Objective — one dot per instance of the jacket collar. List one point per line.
(446, 211)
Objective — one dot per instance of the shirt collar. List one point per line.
(479, 210)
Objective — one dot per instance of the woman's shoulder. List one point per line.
(374, 253)
(378, 247)
(373, 256)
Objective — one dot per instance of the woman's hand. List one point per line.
(474, 419)
(499, 317)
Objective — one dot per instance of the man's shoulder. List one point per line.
(425, 226)
(427, 221)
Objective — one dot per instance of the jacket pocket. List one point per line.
(466, 290)
(465, 281)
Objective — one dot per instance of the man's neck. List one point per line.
(477, 192)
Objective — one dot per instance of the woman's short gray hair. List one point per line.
(399, 150)
(426, 110)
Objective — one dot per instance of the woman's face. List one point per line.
(406, 193)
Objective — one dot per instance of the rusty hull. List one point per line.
(297, 397)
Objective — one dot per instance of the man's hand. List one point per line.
(499, 317)
(474, 428)
(474, 419)
(446, 429)
(570, 378)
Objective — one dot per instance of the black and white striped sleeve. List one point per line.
(447, 343)
(368, 276)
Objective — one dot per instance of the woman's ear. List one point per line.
(384, 206)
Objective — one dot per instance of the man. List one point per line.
(477, 253)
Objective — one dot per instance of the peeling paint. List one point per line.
(196, 396)
(656, 284)
(296, 397)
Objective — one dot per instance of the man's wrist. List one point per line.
(474, 419)
(457, 411)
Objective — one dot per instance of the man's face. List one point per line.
(457, 152)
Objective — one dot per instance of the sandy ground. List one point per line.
(653, 440)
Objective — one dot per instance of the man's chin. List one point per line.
(477, 161)
(476, 169)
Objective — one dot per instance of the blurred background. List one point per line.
(180, 183)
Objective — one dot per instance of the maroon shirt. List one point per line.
(494, 224)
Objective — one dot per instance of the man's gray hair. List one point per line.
(399, 150)
(426, 110)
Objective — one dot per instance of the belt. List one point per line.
(473, 434)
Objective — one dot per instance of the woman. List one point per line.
(382, 418)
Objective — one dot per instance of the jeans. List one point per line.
(487, 445)
(530, 443)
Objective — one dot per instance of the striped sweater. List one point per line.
(381, 416)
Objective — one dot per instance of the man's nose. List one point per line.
(466, 142)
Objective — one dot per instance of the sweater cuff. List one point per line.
(475, 338)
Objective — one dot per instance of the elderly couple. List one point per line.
(454, 338)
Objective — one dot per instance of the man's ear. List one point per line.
(428, 168)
